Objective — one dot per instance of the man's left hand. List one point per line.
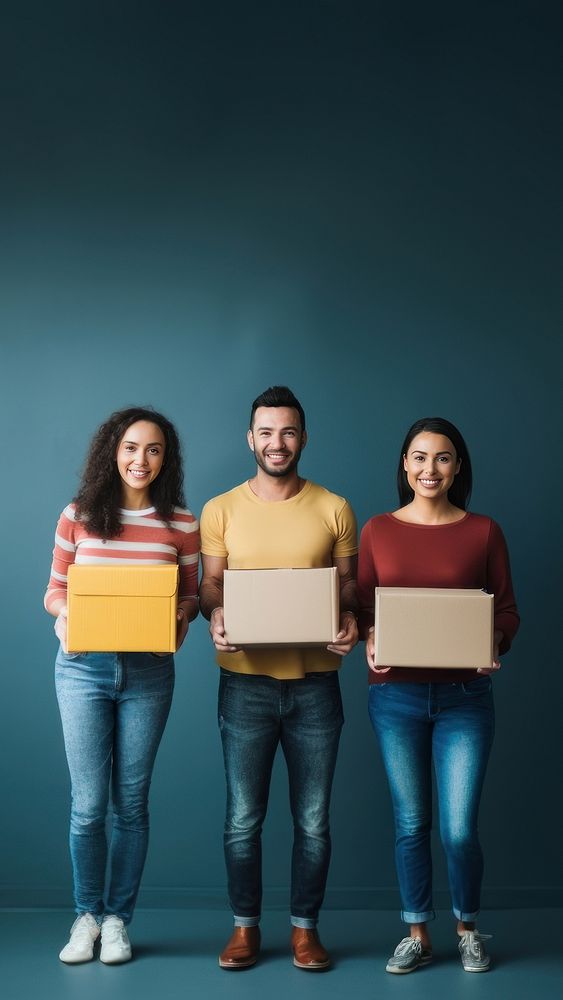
(347, 637)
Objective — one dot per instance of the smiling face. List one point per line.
(140, 455)
(431, 465)
(277, 439)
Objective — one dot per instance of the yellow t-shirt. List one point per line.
(305, 532)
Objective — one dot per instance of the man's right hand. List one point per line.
(217, 632)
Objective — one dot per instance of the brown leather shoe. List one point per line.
(242, 949)
(308, 952)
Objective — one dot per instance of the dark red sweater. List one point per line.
(470, 553)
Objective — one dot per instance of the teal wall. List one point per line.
(362, 200)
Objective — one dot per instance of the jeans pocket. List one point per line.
(479, 686)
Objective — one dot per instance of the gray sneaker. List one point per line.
(472, 950)
(408, 956)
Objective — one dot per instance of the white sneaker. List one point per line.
(116, 946)
(83, 933)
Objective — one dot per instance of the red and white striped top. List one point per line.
(145, 539)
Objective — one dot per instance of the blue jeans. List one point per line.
(453, 724)
(113, 709)
(256, 713)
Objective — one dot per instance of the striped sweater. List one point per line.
(145, 539)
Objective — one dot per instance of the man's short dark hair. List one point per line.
(278, 395)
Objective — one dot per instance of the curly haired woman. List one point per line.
(129, 509)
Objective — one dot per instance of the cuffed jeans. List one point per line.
(256, 713)
(113, 709)
(453, 724)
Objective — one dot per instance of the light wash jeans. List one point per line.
(256, 713)
(113, 709)
(453, 725)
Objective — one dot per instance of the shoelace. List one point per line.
(114, 933)
(82, 926)
(410, 944)
(81, 934)
(472, 940)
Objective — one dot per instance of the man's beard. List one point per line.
(278, 473)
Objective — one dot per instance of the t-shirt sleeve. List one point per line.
(63, 557)
(212, 527)
(346, 543)
(499, 583)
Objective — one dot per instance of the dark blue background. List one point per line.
(362, 200)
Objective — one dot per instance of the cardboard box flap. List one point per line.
(123, 581)
(431, 593)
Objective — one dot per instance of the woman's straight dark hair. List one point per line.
(460, 490)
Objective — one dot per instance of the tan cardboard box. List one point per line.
(281, 607)
(122, 609)
(424, 627)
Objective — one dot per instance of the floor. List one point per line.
(175, 958)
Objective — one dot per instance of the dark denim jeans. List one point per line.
(256, 713)
(453, 724)
(113, 709)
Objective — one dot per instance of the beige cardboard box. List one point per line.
(420, 627)
(287, 607)
(122, 608)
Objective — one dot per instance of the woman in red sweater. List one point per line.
(444, 716)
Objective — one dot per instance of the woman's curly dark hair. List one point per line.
(99, 495)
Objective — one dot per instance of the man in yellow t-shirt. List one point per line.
(270, 696)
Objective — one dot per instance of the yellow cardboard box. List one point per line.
(122, 609)
(433, 627)
(281, 607)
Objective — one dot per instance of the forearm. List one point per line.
(348, 598)
(506, 625)
(347, 636)
(210, 597)
(499, 583)
(190, 605)
(367, 582)
(56, 606)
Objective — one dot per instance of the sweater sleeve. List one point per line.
(367, 580)
(499, 583)
(188, 560)
(63, 557)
